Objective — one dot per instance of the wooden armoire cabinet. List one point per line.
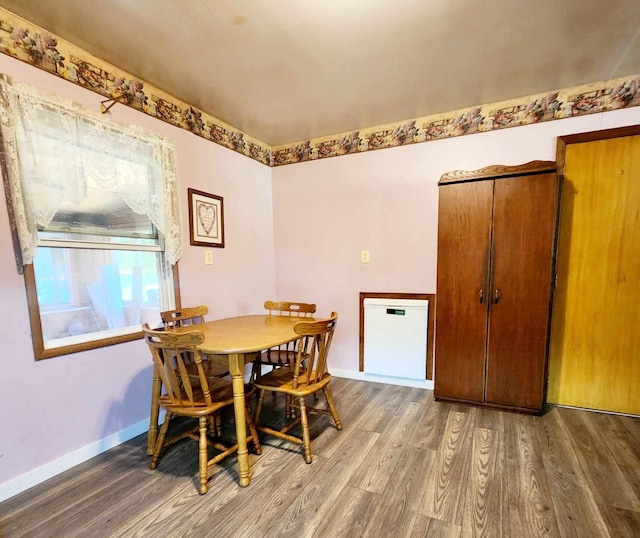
(496, 251)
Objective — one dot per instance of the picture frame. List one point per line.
(206, 219)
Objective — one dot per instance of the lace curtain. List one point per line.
(53, 145)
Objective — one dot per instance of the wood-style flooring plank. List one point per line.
(269, 505)
(576, 511)
(341, 385)
(445, 490)
(61, 515)
(632, 474)
(382, 414)
(175, 478)
(398, 506)
(434, 528)
(429, 430)
(127, 454)
(307, 511)
(419, 395)
(621, 523)
(349, 514)
(86, 488)
(491, 419)
(614, 430)
(378, 467)
(551, 425)
(216, 512)
(352, 408)
(607, 480)
(529, 497)
(485, 514)
(632, 424)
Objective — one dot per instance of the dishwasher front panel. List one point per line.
(395, 337)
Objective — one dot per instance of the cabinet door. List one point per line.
(522, 251)
(464, 227)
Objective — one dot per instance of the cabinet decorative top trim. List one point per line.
(498, 171)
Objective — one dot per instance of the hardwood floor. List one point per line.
(404, 465)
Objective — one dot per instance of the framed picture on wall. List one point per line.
(206, 219)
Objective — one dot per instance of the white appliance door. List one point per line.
(395, 337)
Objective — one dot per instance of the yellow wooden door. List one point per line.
(594, 359)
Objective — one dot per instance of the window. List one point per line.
(96, 212)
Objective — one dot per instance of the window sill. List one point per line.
(47, 353)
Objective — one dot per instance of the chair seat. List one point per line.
(221, 393)
(276, 358)
(211, 368)
(281, 380)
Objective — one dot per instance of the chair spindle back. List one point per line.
(313, 348)
(168, 353)
(284, 308)
(184, 316)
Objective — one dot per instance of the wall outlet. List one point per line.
(208, 257)
(364, 256)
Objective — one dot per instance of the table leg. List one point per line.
(236, 368)
(152, 435)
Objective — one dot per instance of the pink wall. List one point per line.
(57, 406)
(327, 211)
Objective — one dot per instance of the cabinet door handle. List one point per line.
(496, 297)
(481, 296)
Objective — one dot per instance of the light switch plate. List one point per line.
(208, 257)
(364, 256)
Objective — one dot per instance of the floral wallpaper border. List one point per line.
(586, 99)
(29, 43)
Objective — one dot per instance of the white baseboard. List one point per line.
(48, 470)
(389, 380)
(40, 474)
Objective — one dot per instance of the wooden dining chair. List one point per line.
(184, 316)
(172, 319)
(307, 375)
(286, 353)
(200, 398)
(194, 315)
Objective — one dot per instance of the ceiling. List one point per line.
(292, 70)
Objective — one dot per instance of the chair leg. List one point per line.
(254, 433)
(156, 387)
(203, 455)
(334, 412)
(256, 415)
(215, 424)
(306, 438)
(160, 441)
(256, 372)
(218, 423)
(288, 410)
